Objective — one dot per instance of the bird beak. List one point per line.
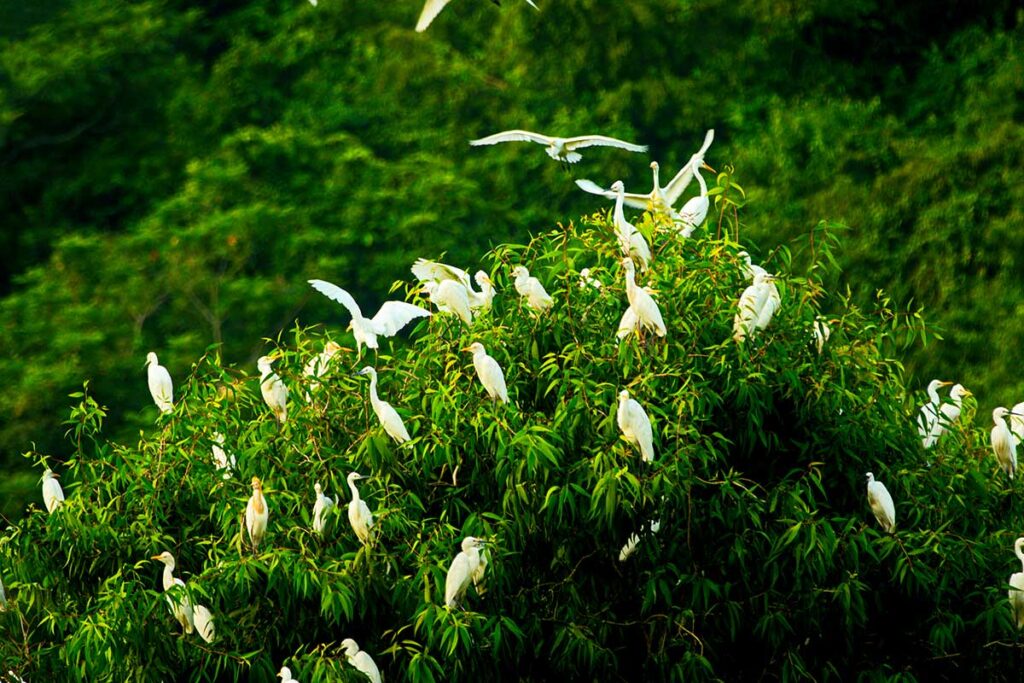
(944, 384)
(705, 166)
(466, 349)
(155, 557)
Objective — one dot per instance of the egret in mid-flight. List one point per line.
(881, 503)
(531, 289)
(256, 514)
(160, 385)
(359, 515)
(392, 316)
(361, 660)
(489, 372)
(320, 507)
(461, 570)
(434, 7)
(1016, 591)
(178, 598)
(1004, 445)
(53, 494)
(559, 149)
(647, 312)
(389, 418)
(635, 425)
(631, 241)
(426, 271)
(274, 391)
(203, 621)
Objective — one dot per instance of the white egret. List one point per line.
(930, 413)
(560, 149)
(433, 7)
(1003, 443)
(531, 289)
(695, 210)
(647, 312)
(634, 540)
(635, 425)
(285, 674)
(461, 570)
(222, 460)
(320, 508)
(481, 568)
(359, 515)
(388, 416)
(489, 372)
(1016, 591)
(178, 598)
(426, 271)
(751, 306)
(317, 366)
(53, 494)
(588, 280)
(256, 514)
(391, 317)
(160, 385)
(631, 241)
(820, 332)
(881, 504)
(450, 297)
(627, 323)
(3, 597)
(1017, 421)
(361, 660)
(203, 622)
(275, 393)
(949, 413)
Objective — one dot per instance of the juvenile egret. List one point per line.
(647, 312)
(820, 334)
(434, 7)
(751, 305)
(631, 241)
(275, 393)
(285, 674)
(1016, 591)
(635, 425)
(461, 570)
(1003, 443)
(361, 660)
(221, 459)
(256, 514)
(203, 621)
(634, 540)
(427, 271)
(53, 494)
(950, 413)
(560, 149)
(881, 504)
(588, 280)
(317, 366)
(930, 413)
(160, 385)
(489, 372)
(320, 507)
(450, 297)
(392, 316)
(178, 598)
(531, 289)
(359, 515)
(388, 416)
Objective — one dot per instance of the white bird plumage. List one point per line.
(755, 307)
(647, 312)
(1016, 592)
(634, 540)
(181, 605)
(695, 210)
(256, 514)
(203, 622)
(948, 413)
(317, 366)
(3, 597)
(631, 241)
(560, 149)
(222, 459)
(461, 570)
(820, 332)
(1017, 421)
(929, 413)
(361, 660)
(434, 271)
(391, 317)
(588, 280)
(635, 425)
(881, 503)
(53, 494)
(1004, 445)
(389, 418)
(285, 674)
(488, 372)
(274, 391)
(320, 507)
(359, 515)
(531, 289)
(160, 386)
(433, 7)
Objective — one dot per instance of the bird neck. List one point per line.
(257, 502)
(620, 216)
(168, 576)
(657, 181)
(700, 181)
(373, 388)
(354, 490)
(933, 394)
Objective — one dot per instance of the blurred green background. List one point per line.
(174, 172)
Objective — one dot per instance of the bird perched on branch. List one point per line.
(388, 416)
(256, 514)
(361, 660)
(274, 392)
(881, 503)
(320, 508)
(177, 595)
(461, 570)
(359, 515)
(635, 425)
(53, 494)
(648, 315)
(160, 386)
(531, 289)
(489, 372)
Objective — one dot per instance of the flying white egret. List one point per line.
(320, 507)
(560, 149)
(949, 413)
(434, 7)
(53, 494)
(820, 332)
(1003, 443)
(450, 297)
(881, 503)
(388, 416)
(588, 280)
(317, 366)
(361, 660)
(391, 317)
(489, 372)
(695, 210)
(461, 570)
(751, 306)
(426, 271)
(285, 674)
(222, 460)
(635, 425)
(178, 598)
(930, 413)
(634, 540)
(275, 393)
(359, 515)
(256, 514)
(531, 289)
(631, 241)
(160, 385)
(1016, 591)
(203, 622)
(647, 312)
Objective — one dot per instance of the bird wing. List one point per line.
(364, 662)
(394, 315)
(336, 293)
(365, 514)
(632, 199)
(457, 578)
(430, 10)
(602, 141)
(425, 270)
(675, 187)
(513, 136)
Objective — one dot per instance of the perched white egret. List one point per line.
(1003, 443)
(1017, 421)
(754, 307)
(881, 503)
(647, 312)
(391, 317)
(256, 514)
(489, 372)
(53, 494)
(285, 674)
(635, 425)
(949, 413)
(695, 210)
(1016, 591)
(450, 297)
(361, 660)
(560, 149)
(634, 540)
(359, 515)
(461, 570)
(388, 416)
(181, 605)
(531, 289)
(317, 366)
(427, 271)
(588, 280)
(160, 385)
(222, 460)
(631, 241)
(820, 333)
(203, 621)
(930, 413)
(433, 7)
(481, 568)
(275, 393)
(320, 507)
(627, 323)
